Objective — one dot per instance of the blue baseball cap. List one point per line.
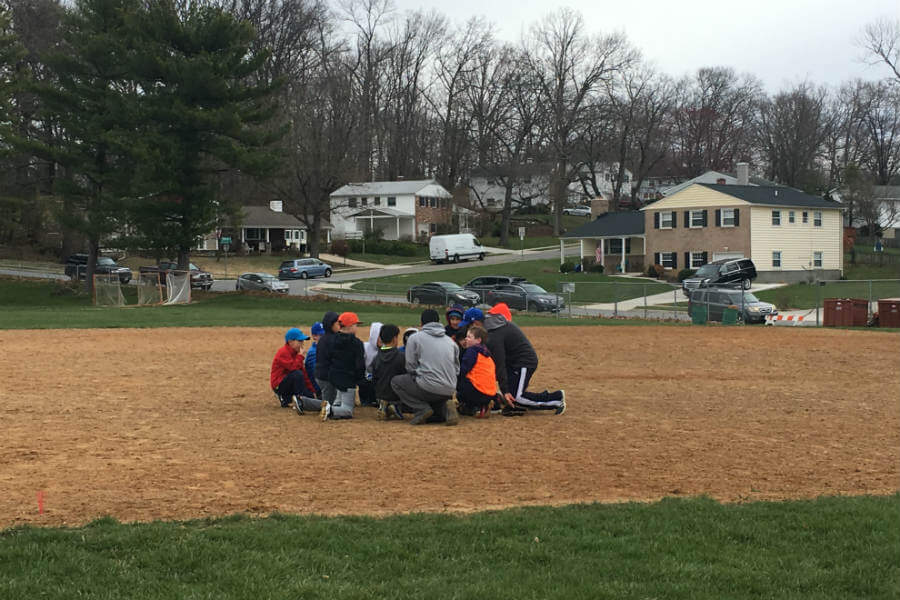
(295, 334)
(317, 328)
(473, 314)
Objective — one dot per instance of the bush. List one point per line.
(656, 271)
(376, 246)
(685, 273)
(596, 268)
(566, 267)
(340, 247)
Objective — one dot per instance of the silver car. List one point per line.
(261, 282)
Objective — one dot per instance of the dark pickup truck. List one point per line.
(200, 279)
(76, 267)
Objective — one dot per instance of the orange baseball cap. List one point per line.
(501, 309)
(348, 318)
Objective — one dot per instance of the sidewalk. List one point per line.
(674, 296)
(338, 260)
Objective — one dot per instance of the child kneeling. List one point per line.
(388, 362)
(476, 388)
(288, 376)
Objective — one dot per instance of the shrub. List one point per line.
(566, 267)
(596, 268)
(685, 273)
(340, 247)
(656, 271)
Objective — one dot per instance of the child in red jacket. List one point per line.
(288, 376)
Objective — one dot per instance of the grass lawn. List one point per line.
(857, 285)
(389, 259)
(30, 304)
(592, 287)
(677, 548)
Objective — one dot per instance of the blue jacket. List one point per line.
(310, 365)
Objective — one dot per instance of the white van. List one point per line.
(456, 247)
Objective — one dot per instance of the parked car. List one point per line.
(454, 247)
(525, 296)
(303, 268)
(262, 282)
(76, 267)
(750, 308)
(200, 279)
(733, 271)
(578, 211)
(481, 285)
(441, 292)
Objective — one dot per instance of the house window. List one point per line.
(608, 176)
(491, 202)
(434, 203)
(776, 259)
(376, 201)
(615, 246)
(253, 233)
(432, 228)
(790, 216)
(666, 220)
(776, 217)
(805, 217)
(392, 201)
(698, 259)
(817, 260)
(423, 202)
(667, 259)
(351, 202)
(626, 179)
(727, 217)
(698, 218)
(817, 218)
(363, 201)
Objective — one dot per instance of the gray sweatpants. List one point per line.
(416, 398)
(328, 390)
(344, 403)
(310, 404)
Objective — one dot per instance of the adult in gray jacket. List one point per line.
(432, 366)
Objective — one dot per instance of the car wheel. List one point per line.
(327, 272)
(416, 300)
(481, 256)
(745, 283)
(456, 258)
(533, 307)
(304, 275)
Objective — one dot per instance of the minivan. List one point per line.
(727, 271)
(454, 248)
(303, 268)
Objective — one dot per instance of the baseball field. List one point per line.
(179, 423)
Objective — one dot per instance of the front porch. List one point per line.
(617, 254)
(391, 223)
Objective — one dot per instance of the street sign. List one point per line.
(521, 233)
(225, 241)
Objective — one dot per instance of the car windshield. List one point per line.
(475, 241)
(707, 271)
(105, 260)
(194, 267)
(735, 297)
(533, 289)
(267, 277)
(451, 287)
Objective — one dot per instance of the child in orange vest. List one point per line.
(476, 388)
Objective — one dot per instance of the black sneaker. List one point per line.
(394, 412)
(298, 405)
(512, 411)
(562, 407)
(421, 417)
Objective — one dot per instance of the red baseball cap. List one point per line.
(501, 309)
(348, 318)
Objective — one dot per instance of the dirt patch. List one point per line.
(180, 423)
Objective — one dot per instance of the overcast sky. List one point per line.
(780, 41)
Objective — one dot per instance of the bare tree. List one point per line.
(881, 124)
(881, 39)
(847, 142)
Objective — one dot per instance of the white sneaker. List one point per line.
(325, 411)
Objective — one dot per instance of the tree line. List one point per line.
(154, 120)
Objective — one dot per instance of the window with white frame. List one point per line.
(790, 216)
(423, 202)
(666, 219)
(434, 203)
(776, 258)
(727, 217)
(376, 201)
(697, 259)
(805, 217)
(433, 228)
(392, 201)
(667, 259)
(776, 217)
(817, 218)
(363, 201)
(817, 260)
(351, 202)
(697, 219)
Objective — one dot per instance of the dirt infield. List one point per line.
(179, 423)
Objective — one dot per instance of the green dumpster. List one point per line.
(729, 316)
(698, 314)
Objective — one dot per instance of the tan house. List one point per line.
(790, 235)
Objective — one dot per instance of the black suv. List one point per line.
(76, 267)
(482, 285)
(728, 271)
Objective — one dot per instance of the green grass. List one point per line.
(592, 287)
(28, 304)
(677, 548)
(857, 285)
(389, 259)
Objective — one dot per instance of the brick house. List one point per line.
(399, 209)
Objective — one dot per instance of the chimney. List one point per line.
(743, 173)
(275, 205)
(599, 206)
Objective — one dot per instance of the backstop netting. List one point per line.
(108, 291)
(149, 290)
(178, 287)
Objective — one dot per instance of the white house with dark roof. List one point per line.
(399, 209)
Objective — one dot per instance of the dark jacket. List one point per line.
(346, 361)
(324, 345)
(509, 348)
(388, 362)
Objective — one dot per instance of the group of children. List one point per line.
(327, 378)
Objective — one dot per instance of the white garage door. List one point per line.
(728, 255)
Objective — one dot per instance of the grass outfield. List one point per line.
(29, 304)
(681, 548)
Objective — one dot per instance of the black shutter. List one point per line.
(705, 223)
(703, 258)
(687, 260)
(674, 219)
(718, 218)
(674, 260)
(737, 217)
(656, 221)
(687, 219)
(656, 257)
